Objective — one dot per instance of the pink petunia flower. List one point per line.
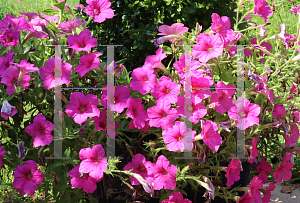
(246, 199)
(118, 100)
(93, 161)
(26, 67)
(139, 166)
(267, 195)
(279, 111)
(245, 113)
(82, 106)
(99, 9)
(155, 60)
(263, 89)
(162, 115)
(174, 29)
(166, 90)
(295, 10)
(283, 172)
(82, 180)
(47, 73)
(180, 65)
(7, 110)
(222, 26)
(82, 42)
(71, 25)
(2, 151)
(198, 110)
(264, 168)
(137, 113)
(265, 45)
(27, 178)
(207, 47)
(11, 80)
(88, 62)
(6, 61)
(29, 15)
(177, 138)
(210, 135)
(10, 38)
(40, 130)
(255, 185)
(143, 80)
(292, 137)
(262, 9)
(233, 172)
(20, 23)
(164, 175)
(254, 151)
(176, 197)
(100, 122)
(222, 99)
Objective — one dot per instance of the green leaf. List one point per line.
(50, 12)
(61, 5)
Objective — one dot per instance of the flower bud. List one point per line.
(6, 108)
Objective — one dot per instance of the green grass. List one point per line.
(13, 7)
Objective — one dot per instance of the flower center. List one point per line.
(96, 11)
(29, 175)
(242, 114)
(165, 172)
(141, 168)
(42, 130)
(180, 138)
(96, 160)
(84, 175)
(168, 91)
(82, 45)
(165, 115)
(209, 49)
(8, 40)
(190, 108)
(146, 79)
(183, 70)
(82, 108)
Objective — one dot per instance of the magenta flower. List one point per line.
(6, 61)
(267, 195)
(29, 15)
(136, 112)
(264, 168)
(2, 151)
(210, 135)
(222, 99)
(296, 10)
(100, 122)
(265, 45)
(245, 113)
(40, 130)
(174, 29)
(279, 111)
(27, 178)
(71, 25)
(82, 180)
(7, 110)
(180, 65)
(166, 90)
(200, 87)
(292, 137)
(20, 23)
(254, 151)
(26, 67)
(283, 172)
(155, 60)
(99, 9)
(208, 47)
(176, 197)
(139, 166)
(82, 42)
(246, 199)
(88, 62)
(82, 106)
(47, 73)
(255, 185)
(164, 175)
(10, 38)
(198, 110)
(233, 172)
(177, 138)
(262, 9)
(263, 89)
(118, 100)
(222, 26)
(93, 161)
(11, 80)
(143, 80)
(162, 115)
